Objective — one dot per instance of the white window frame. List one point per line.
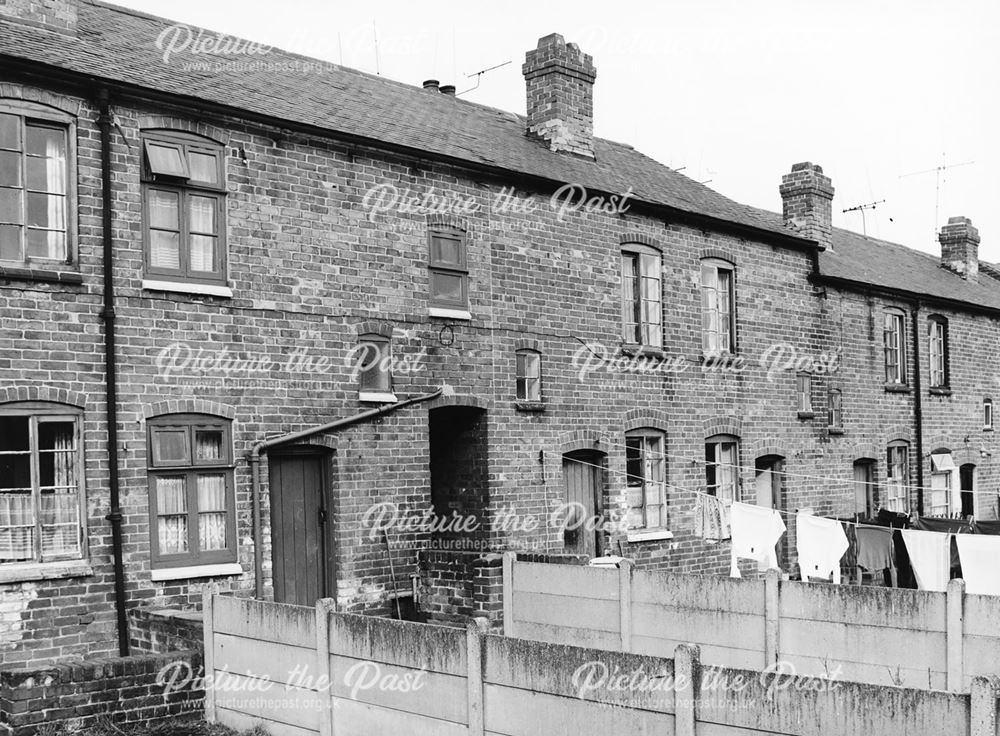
(897, 485)
(722, 458)
(894, 343)
(943, 497)
(653, 476)
(988, 414)
(642, 314)
(718, 304)
(527, 367)
(937, 351)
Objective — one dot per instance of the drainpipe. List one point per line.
(918, 409)
(260, 447)
(111, 399)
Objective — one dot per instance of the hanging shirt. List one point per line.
(979, 554)
(755, 531)
(711, 518)
(874, 547)
(930, 556)
(820, 544)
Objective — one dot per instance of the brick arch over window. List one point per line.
(471, 401)
(523, 344)
(966, 456)
(188, 406)
(723, 255)
(448, 220)
(767, 448)
(42, 97)
(582, 439)
(898, 432)
(723, 425)
(375, 327)
(50, 394)
(639, 418)
(640, 238)
(866, 451)
(940, 440)
(166, 122)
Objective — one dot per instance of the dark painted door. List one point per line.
(298, 527)
(967, 478)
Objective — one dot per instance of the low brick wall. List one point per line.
(456, 587)
(160, 630)
(124, 690)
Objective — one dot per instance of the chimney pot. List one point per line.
(448, 89)
(959, 241)
(559, 81)
(807, 202)
(431, 85)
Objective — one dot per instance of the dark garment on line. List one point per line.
(986, 527)
(874, 545)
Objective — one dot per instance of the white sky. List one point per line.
(736, 91)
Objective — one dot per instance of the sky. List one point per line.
(880, 93)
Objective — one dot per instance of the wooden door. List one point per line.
(298, 527)
(581, 478)
(967, 479)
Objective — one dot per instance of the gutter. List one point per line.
(51, 73)
(111, 372)
(902, 294)
(264, 445)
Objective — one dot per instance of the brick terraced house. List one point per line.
(255, 307)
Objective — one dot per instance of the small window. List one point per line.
(642, 309)
(897, 476)
(529, 375)
(987, 414)
(41, 484)
(184, 208)
(718, 311)
(449, 268)
(835, 409)
(645, 468)
(721, 467)
(375, 368)
(36, 176)
(894, 336)
(192, 506)
(803, 390)
(937, 353)
(943, 469)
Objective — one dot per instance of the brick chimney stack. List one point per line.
(55, 15)
(807, 202)
(560, 88)
(960, 247)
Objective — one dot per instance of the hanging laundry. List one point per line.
(874, 547)
(755, 531)
(986, 527)
(711, 518)
(820, 543)
(952, 526)
(930, 556)
(979, 554)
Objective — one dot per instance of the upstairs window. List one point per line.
(897, 476)
(721, 472)
(717, 304)
(528, 376)
(642, 307)
(36, 209)
(449, 268)
(192, 504)
(803, 393)
(937, 353)
(184, 208)
(988, 414)
(41, 483)
(645, 468)
(835, 409)
(375, 369)
(894, 339)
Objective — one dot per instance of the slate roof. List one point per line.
(119, 45)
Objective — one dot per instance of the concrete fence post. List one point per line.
(687, 676)
(983, 712)
(772, 617)
(474, 633)
(625, 603)
(955, 633)
(509, 561)
(208, 593)
(323, 676)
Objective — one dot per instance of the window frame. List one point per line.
(897, 448)
(185, 188)
(384, 383)
(194, 556)
(987, 414)
(642, 326)
(51, 412)
(714, 445)
(835, 409)
(446, 268)
(713, 267)
(644, 434)
(49, 117)
(948, 487)
(898, 349)
(942, 371)
(521, 376)
(803, 395)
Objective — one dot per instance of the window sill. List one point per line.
(530, 406)
(22, 573)
(987, 429)
(643, 351)
(188, 287)
(940, 391)
(377, 397)
(807, 415)
(10, 273)
(449, 313)
(897, 388)
(835, 430)
(197, 571)
(649, 535)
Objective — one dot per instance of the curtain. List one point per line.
(202, 225)
(172, 515)
(212, 512)
(55, 174)
(164, 224)
(17, 526)
(60, 503)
